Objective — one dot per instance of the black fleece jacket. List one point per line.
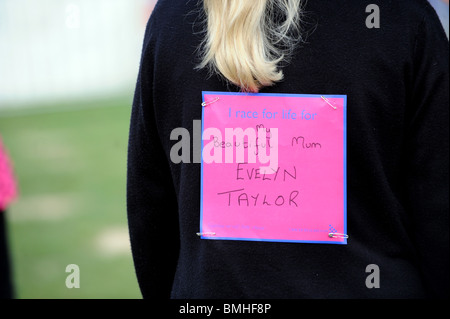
(396, 80)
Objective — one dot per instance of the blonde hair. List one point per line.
(247, 39)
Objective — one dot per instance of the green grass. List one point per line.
(71, 170)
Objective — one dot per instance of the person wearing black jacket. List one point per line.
(396, 81)
(8, 193)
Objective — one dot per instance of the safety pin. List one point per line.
(328, 102)
(204, 104)
(337, 235)
(205, 234)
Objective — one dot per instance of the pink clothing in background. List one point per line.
(8, 188)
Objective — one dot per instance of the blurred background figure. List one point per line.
(8, 193)
(441, 7)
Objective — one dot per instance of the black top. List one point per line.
(396, 80)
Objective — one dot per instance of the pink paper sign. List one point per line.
(274, 168)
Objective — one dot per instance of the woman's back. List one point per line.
(396, 81)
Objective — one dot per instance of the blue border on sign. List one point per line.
(344, 241)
